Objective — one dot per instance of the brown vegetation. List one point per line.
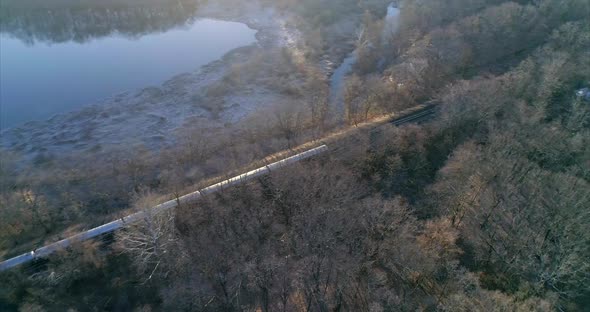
(483, 209)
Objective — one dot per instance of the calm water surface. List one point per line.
(54, 60)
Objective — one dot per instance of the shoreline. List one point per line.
(150, 116)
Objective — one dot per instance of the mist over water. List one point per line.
(391, 20)
(338, 79)
(55, 60)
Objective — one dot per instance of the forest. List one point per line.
(485, 207)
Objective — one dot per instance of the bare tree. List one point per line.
(151, 241)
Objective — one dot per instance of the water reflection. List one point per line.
(58, 21)
(59, 55)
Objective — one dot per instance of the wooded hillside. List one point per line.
(486, 207)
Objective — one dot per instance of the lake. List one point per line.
(58, 57)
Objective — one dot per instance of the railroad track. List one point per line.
(424, 112)
(417, 117)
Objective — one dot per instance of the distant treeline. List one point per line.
(62, 21)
